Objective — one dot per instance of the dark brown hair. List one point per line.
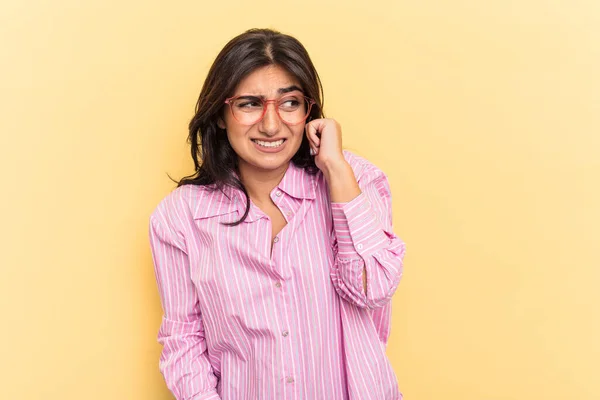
(215, 161)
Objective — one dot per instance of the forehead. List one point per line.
(266, 81)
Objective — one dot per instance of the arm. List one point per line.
(184, 360)
(368, 256)
(343, 188)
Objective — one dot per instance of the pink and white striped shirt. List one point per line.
(244, 322)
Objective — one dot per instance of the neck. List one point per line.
(260, 183)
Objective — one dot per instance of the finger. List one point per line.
(311, 142)
(314, 150)
(312, 145)
(313, 132)
(310, 135)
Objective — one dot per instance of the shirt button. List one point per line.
(285, 333)
(278, 193)
(276, 239)
(278, 284)
(359, 246)
(290, 379)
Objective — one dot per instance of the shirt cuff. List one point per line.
(357, 228)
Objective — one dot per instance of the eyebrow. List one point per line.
(280, 91)
(289, 89)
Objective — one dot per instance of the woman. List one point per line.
(276, 260)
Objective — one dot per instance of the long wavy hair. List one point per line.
(215, 161)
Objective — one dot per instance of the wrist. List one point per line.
(342, 183)
(336, 167)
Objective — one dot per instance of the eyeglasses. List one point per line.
(292, 109)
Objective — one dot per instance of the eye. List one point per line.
(290, 103)
(249, 104)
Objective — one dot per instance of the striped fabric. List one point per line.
(242, 321)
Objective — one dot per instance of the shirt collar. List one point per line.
(211, 203)
(297, 182)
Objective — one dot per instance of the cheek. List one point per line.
(299, 135)
(236, 138)
(298, 132)
(234, 130)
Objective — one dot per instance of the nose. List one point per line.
(270, 123)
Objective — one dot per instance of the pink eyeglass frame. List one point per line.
(265, 103)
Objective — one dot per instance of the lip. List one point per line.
(268, 140)
(269, 149)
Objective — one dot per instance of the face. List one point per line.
(269, 144)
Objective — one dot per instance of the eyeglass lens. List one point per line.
(292, 109)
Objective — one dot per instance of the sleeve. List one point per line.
(364, 241)
(184, 360)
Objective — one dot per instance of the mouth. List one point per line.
(269, 144)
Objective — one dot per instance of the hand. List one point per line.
(325, 139)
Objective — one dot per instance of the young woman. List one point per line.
(276, 260)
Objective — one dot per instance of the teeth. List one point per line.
(268, 144)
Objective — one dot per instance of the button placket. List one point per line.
(280, 260)
(282, 305)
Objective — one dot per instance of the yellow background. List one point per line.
(484, 114)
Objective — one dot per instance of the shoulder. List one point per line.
(370, 178)
(364, 170)
(178, 208)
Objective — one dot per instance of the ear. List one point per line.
(221, 123)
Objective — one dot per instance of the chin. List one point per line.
(271, 164)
